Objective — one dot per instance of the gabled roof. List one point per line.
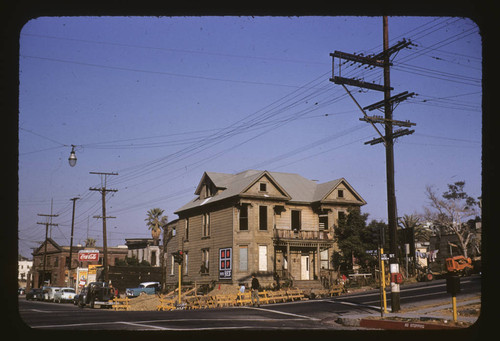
(219, 180)
(41, 248)
(295, 188)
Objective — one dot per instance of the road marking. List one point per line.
(356, 304)
(147, 323)
(284, 313)
(144, 325)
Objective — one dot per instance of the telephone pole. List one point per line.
(382, 60)
(47, 223)
(71, 243)
(103, 191)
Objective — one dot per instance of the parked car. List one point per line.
(48, 293)
(64, 295)
(80, 296)
(21, 291)
(97, 294)
(34, 294)
(149, 288)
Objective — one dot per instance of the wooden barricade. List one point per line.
(199, 302)
(225, 300)
(206, 302)
(276, 296)
(166, 303)
(336, 290)
(294, 294)
(244, 298)
(263, 297)
(192, 302)
(121, 303)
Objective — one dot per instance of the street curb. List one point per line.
(401, 325)
(348, 321)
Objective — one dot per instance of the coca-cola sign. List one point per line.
(88, 255)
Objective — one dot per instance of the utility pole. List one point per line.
(382, 60)
(47, 223)
(389, 164)
(71, 243)
(103, 191)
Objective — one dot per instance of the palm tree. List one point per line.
(155, 222)
(90, 242)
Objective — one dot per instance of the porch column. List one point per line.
(318, 261)
(274, 262)
(288, 259)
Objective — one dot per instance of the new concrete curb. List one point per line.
(418, 318)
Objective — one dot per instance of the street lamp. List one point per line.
(72, 156)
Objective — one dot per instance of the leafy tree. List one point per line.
(354, 238)
(451, 212)
(375, 227)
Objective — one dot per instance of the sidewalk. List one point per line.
(428, 316)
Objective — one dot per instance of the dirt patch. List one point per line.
(225, 289)
(144, 302)
(469, 310)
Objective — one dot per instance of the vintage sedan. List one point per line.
(34, 294)
(64, 295)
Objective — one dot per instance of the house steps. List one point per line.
(307, 285)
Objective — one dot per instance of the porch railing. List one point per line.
(302, 235)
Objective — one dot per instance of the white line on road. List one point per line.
(147, 323)
(145, 326)
(283, 313)
(354, 304)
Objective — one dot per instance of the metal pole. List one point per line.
(382, 284)
(454, 303)
(180, 270)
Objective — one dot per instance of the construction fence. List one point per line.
(190, 300)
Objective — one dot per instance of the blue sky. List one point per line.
(161, 100)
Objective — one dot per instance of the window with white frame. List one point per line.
(243, 258)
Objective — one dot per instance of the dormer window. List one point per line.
(209, 190)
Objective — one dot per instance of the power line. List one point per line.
(173, 74)
(172, 49)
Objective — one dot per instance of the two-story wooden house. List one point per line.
(258, 222)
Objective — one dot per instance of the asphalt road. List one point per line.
(317, 314)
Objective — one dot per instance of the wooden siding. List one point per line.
(348, 196)
(221, 224)
(271, 190)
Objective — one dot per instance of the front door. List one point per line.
(262, 257)
(304, 267)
